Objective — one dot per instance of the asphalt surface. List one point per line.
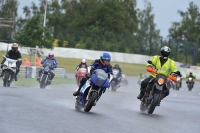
(51, 110)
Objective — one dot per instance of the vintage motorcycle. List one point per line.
(44, 79)
(81, 73)
(116, 79)
(9, 70)
(92, 90)
(190, 83)
(154, 94)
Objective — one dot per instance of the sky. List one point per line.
(165, 11)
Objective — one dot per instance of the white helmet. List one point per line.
(83, 61)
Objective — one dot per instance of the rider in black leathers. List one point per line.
(15, 55)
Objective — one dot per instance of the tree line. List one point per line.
(108, 25)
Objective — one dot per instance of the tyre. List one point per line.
(90, 102)
(42, 83)
(155, 100)
(5, 80)
(143, 107)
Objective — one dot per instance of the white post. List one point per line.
(45, 12)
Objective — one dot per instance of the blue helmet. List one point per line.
(105, 56)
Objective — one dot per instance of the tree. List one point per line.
(148, 35)
(8, 13)
(186, 31)
(32, 34)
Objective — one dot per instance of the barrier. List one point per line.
(118, 57)
(32, 72)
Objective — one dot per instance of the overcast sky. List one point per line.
(165, 11)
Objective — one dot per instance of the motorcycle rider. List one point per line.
(15, 55)
(120, 74)
(55, 65)
(165, 66)
(82, 64)
(192, 76)
(102, 63)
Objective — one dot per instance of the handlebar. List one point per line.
(151, 70)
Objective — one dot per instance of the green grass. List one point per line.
(32, 82)
(70, 64)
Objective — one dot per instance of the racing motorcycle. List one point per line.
(46, 74)
(116, 79)
(9, 70)
(92, 90)
(81, 73)
(190, 83)
(153, 95)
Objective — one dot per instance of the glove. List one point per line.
(178, 73)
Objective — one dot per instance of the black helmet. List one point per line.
(165, 52)
(116, 66)
(190, 72)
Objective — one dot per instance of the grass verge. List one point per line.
(70, 64)
(32, 82)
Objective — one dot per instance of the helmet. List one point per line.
(165, 52)
(83, 61)
(190, 73)
(105, 57)
(51, 55)
(116, 66)
(14, 47)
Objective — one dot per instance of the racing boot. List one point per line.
(77, 92)
(15, 76)
(1, 75)
(82, 82)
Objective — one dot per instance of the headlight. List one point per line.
(178, 79)
(160, 81)
(9, 65)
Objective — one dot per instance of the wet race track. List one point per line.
(51, 110)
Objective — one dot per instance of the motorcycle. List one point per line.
(116, 79)
(123, 79)
(190, 83)
(92, 90)
(9, 70)
(153, 95)
(44, 79)
(80, 74)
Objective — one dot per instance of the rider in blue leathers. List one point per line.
(102, 63)
(55, 65)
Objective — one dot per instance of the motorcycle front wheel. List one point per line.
(88, 106)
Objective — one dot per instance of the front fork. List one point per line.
(45, 79)
(94, 89)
